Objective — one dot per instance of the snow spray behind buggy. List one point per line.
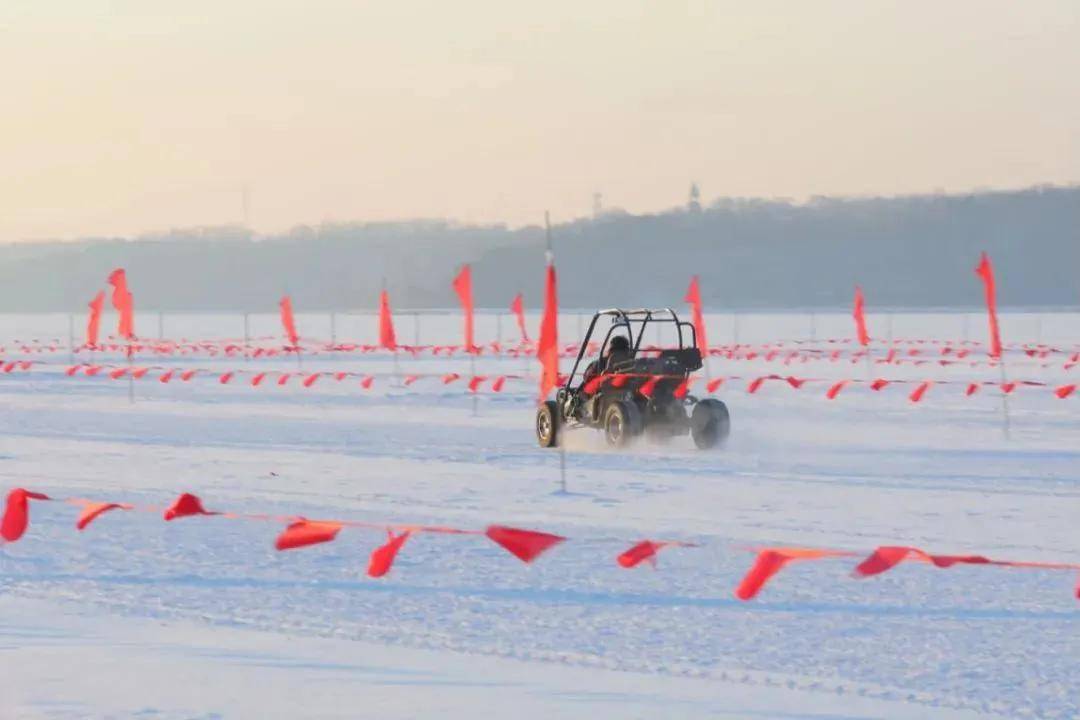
(631, 391)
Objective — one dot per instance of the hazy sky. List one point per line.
(120, 117)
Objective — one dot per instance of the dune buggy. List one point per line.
(635, 389)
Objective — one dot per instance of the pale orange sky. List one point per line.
(121, 117)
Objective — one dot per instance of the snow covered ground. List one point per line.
(201, 618)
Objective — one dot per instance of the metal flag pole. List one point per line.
(71, 339)
(1006, 424)
(131, 372)
(472, 376)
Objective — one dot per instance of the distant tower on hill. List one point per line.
(597, 204)
(693, 204)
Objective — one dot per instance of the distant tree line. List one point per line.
(915, 251)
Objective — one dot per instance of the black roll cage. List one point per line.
(624, 319)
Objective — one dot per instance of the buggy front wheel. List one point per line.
(547, 424)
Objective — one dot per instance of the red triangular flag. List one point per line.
(644, 550)
(93, 321)
(463, 287)
(123, 303)
(860, 318)
(17, 513)
(770, 561)
(382, 559)
(547, 348)
(289, 323)
(917, 393)
(767, 564)
(186, 505)
(986, 271)
(882, 559)
(526, 545)
(306, 532)
(833, 391)
(518, 308)
(387, 339)
(92, 510)
(693, 297)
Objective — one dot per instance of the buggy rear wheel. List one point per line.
(547, 424)
(710, 423)
(622, 422)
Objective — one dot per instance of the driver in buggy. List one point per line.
(618, 353)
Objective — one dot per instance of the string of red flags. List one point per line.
(892, 355)
(527, 545)
(916, 389)
(819, 346)
(770, 561)
(899, 351)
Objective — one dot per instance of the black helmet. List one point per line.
(620, 343)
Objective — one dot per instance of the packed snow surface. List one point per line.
(202, 618)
